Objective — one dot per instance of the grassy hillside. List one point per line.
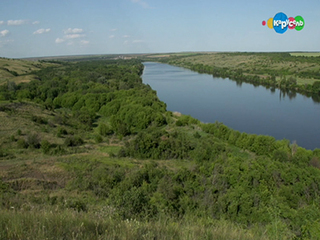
(19, 71)
(89, 152)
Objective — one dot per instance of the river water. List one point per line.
(242, 107)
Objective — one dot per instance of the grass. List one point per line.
(17, 121)
(306, 54)
(101, 224)
(255, 64)
(16, 70)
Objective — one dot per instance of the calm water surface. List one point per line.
(242, 107)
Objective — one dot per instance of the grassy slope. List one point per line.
(23, 69)
(38, 178)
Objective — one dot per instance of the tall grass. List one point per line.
(68, 224)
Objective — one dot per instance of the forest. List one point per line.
(87, 151)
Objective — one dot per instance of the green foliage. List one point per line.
(73, 141)
(98, 138)
(85, 116)
(185, 120)
(61, 131)
(104, 129)
(77, 205)
(39, 120)
(22, 143)
(19, 132)
(33, 140)
(45, 146)
(316, 87)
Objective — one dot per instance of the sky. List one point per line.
(35, 28)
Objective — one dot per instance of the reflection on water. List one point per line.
(283, 92)
(241, 106)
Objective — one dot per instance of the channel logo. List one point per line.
(280, 23)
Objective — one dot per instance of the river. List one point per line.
(242, 107)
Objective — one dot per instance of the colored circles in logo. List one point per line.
(292, 23)
(270, 23)
(299, 23)
(280, 22)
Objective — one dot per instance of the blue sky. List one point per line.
(30, 28)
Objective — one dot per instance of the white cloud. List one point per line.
(113, 29)
(35, 22)
(111, 36)
(42, 30)
(84, 42)
(16, 22)
(4, 33)
(72, 36)
(59, 40)
(1, 22)
(3, 43)
(73, 31)
(137, 41)
(126, 42)
(126, 36)
(141, 3)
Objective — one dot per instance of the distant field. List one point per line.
(306, 54)
(18, 71)
(261, 64)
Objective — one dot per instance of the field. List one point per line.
(261, 64)
(18, 71)
(305, 54)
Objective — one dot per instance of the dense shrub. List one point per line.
(33, 140)
(73, 141)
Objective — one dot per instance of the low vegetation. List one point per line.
(89, 152)
(18, 71)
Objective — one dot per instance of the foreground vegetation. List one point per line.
(89, 152)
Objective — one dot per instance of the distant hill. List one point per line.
(18, 71)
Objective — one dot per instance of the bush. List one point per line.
(104, 130)
(59, 150)
(73, 141)
(185, 120)
(12, 138)
(39, 120)
(33, 140)
(315, 162)
(22, 143)
(77, 205)
(98, 138)
(196, 135)
(61, 131)
(19, 132)
(45, 146)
